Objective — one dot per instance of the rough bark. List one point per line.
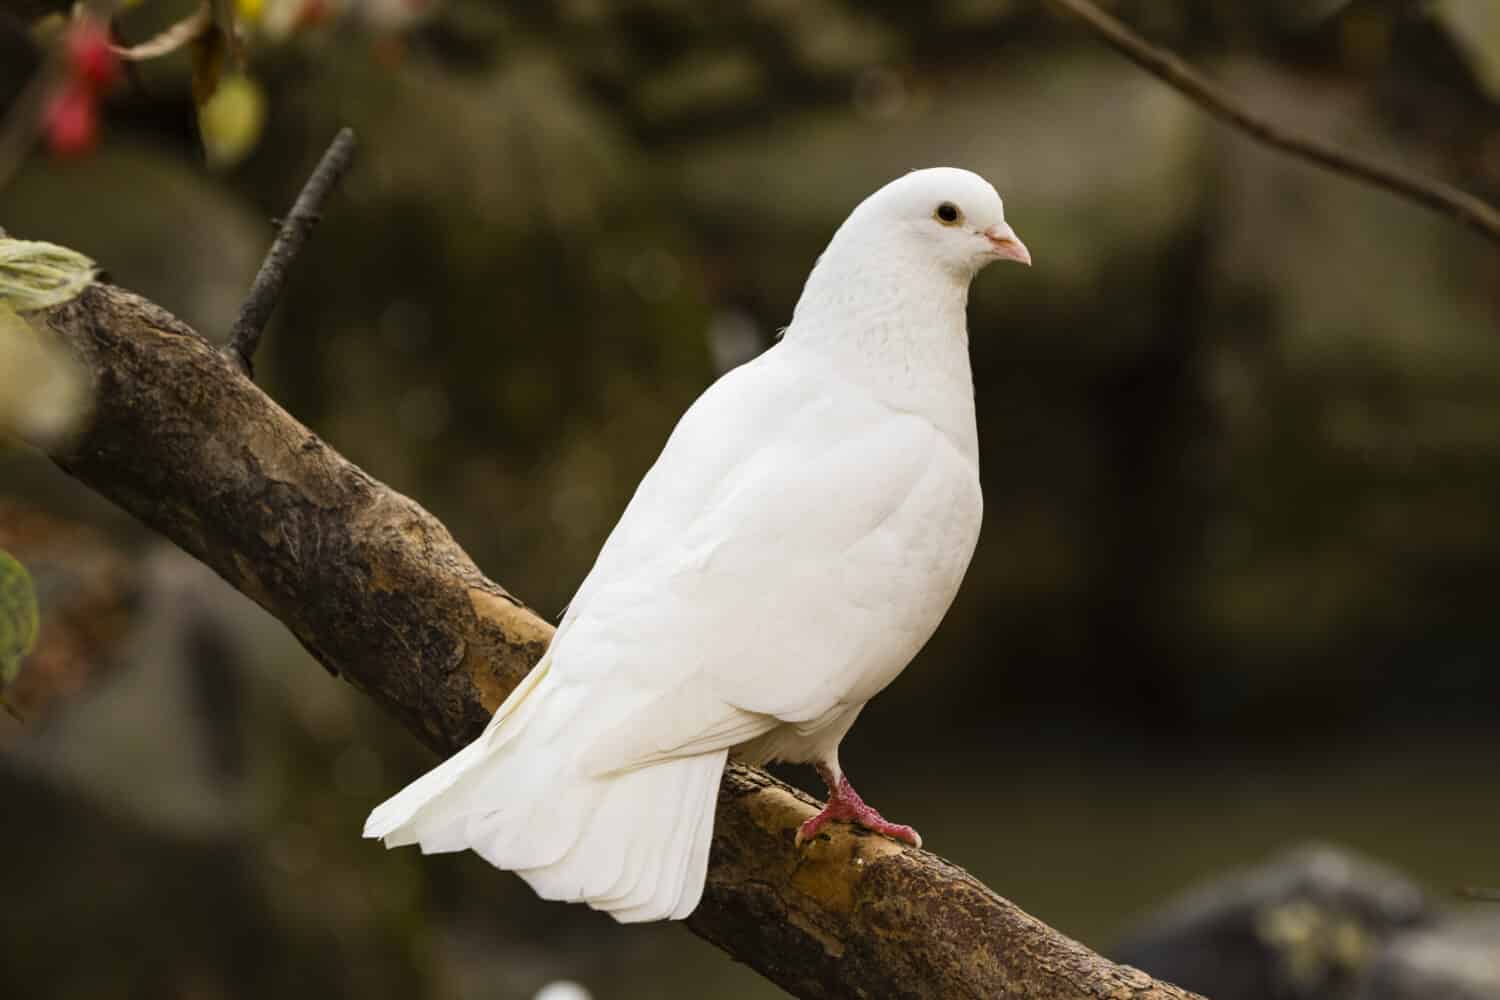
(376, 588)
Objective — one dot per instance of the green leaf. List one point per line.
(19, 618)
(232, 120)
(35, 275)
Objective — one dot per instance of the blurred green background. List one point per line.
(1240, 432)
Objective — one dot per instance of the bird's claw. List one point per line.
(809, 830)
(859, 815)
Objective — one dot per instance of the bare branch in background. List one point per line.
(277, 266)
(1466, 208)
(185, 31)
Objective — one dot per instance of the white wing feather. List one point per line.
(750, 581)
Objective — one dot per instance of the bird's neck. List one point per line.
(896, 328)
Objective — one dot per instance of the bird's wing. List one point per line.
(735, 420)
(749, 581)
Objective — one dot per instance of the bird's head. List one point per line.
(953, 215)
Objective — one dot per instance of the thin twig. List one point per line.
(1466, 208)
(184, 32)
(277, 266)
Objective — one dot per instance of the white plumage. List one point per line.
(799, 539)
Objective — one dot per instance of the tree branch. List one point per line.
(378, 591)
(1466, 208)
(277, 267)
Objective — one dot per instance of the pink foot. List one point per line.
(845, 804)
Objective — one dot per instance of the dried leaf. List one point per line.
(36, 275)
(216, 49)
(224, 13)
(208, 65)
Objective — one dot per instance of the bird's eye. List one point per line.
(948, 214)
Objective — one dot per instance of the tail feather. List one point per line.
(679, 887)
(696, 873)
(607, 854)
(633, 843)
(394, 819)
(436, 840)
(633, 862)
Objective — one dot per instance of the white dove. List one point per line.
(798, 541)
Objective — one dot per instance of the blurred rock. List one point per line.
(1456, 960)
(1307, 925)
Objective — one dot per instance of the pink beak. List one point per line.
(1004, 243)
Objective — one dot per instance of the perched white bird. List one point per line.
(797, 542)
